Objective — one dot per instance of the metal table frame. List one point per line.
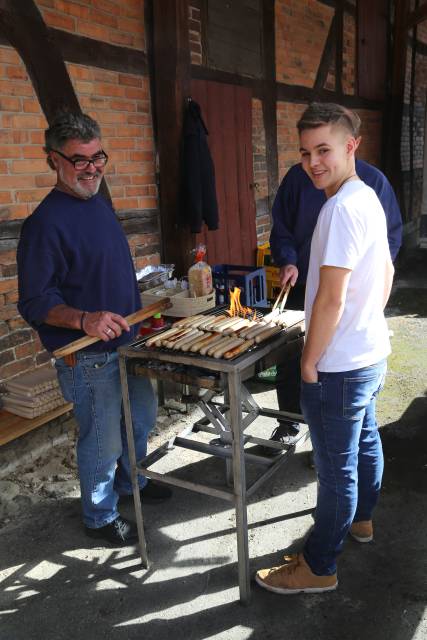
(233, 373)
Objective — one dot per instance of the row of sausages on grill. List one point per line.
(217, 337)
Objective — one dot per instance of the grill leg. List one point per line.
(239, 474)
(132, 460)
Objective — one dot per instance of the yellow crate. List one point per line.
(272, 275)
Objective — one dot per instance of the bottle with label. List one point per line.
(200, 274)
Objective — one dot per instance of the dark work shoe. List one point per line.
(286, 433)
(119, 532)
(154, 492)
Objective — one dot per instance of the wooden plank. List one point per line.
(297, 93)
(12, 426)
(339, 37)
(326, 59)
(269, 103)
(372, 33)
(172, 86)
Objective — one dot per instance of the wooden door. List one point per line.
(227, 112)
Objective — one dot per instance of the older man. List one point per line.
(76, 278)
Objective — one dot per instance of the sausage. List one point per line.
(220, 350)
(191, 334)
(232, 353)
(267, 333)
(256, 330)
(203, 340)
(216, 340)
(169, 343)
(186, 322)
(159, 337)
(223, 341)
(210, 322)
(236, 327)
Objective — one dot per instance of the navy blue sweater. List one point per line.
(74, 252)
(297, 206)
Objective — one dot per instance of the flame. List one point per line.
(236, 308)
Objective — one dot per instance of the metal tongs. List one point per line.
(279, 305)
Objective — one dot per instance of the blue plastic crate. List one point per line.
(251, 280)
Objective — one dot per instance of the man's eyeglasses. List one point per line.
(80, 164)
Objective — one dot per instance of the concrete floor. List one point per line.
(56, 584)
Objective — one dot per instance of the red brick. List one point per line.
(10, 104)
(16, 367)
(15, 182)
(59, 21)
(31, 195)
(16, 73)
(143, 179)
(3, 166)
(23, 350)
(45, 180)
(10, 151)
(147, 203)
(94, 31)
(15, 88)
(5, 197)
(122, 105)
(124, 39)
(106, 19)
(126, 203)
(121, 143)
(15, 212)
(136, 93)
(9, 55)
(33, 151)
(14, 320)
(72, 8)
(24, 121)
(37, 137)
(79, 72)
(9, 284)
(131, 81)
(113, 90)
(29, 166)
(107, 6)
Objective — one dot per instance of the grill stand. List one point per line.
(227, 421)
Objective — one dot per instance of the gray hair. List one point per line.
(70, 126)
(318, 114)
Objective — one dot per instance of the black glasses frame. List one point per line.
(84, 162)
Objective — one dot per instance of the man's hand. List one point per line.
(288, 273)
(308, 371)
(104, 324)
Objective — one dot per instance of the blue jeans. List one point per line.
(340, 412)
(93, 385)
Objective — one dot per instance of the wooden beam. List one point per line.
(326, 59)
(172, 86)
(339, 39)
(393, 167)
(94, 53)
(199, 72)
(417, 16)
(269, 103)
(301, 94)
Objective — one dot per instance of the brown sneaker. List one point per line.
(294, 577)
(362, 531)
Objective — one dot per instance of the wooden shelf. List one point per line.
(13, 426)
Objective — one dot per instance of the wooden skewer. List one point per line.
(132, 319)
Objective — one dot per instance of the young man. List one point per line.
(343, 363)
(296, 208)
(76, 278)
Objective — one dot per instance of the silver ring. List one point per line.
(108, 331)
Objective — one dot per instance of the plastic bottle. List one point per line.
(200, 274)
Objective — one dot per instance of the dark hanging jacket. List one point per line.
(198, 201)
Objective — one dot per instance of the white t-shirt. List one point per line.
(351, 232)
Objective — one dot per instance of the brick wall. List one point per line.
(195, 34)
(115, 21)
(288, 115)
(301, 30)
(260, 173)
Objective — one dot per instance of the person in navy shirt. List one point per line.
(295, 211)
(76, 277)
